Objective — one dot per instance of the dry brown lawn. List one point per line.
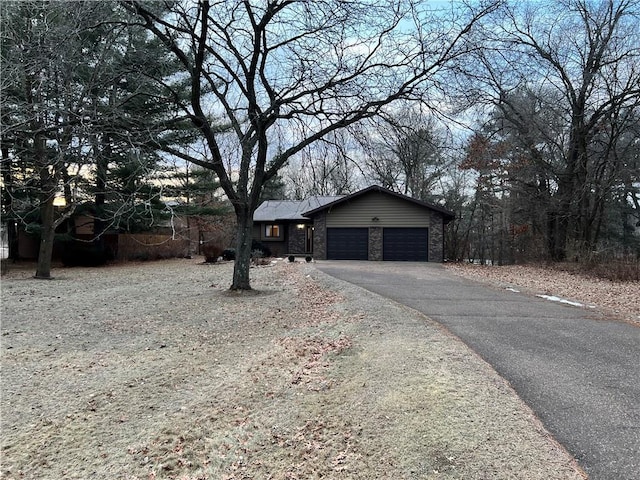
(156, 371)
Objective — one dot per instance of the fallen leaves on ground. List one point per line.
(155, 371)
(618, 298)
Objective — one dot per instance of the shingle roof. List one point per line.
(274, 210)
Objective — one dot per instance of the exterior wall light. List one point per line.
(375, 219)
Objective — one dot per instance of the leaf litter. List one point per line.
(147, 371)
(613, 298)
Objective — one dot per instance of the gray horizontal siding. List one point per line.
(390, 211)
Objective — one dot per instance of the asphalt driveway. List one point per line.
(578, 371)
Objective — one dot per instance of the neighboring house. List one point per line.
(372, 224)
(169, 238)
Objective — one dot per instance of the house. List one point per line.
(282, 226)
(371, 224)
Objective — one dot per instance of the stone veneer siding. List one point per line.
(375, 243)
(320, 236)
(436, 238)
(296, 239)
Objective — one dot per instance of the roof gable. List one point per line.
(447, 214)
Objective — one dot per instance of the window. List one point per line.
(272, 231)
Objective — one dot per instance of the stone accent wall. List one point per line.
(296, 240)
(436, 238)
(375, 243)
(320, 236)
(434, 221)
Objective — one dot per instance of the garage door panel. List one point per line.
(405, 244)
(347, 243)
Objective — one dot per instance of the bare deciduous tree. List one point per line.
(328, 167)
(563, 76)
(405, 153)
(284, 74)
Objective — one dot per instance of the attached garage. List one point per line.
(347, 243)
(405, 244)
(379, 224)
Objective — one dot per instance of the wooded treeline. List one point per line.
(530, 134)
(86, 107)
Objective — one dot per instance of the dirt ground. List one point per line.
(156, 371)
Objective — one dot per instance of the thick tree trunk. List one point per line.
(556, 236)
(7, 199)
(47, 236)
(12, 240)
(563, 213)
(48, 220)
(243, 251)
(47, 211)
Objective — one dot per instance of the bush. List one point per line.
(258, 250)
(256, 245)
(81, 254)
(258, 259)
(148, 246)
(618, 268)
(211, 252)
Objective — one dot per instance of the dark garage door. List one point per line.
(405, 244)
(347, 243)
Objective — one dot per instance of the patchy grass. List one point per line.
(153, 371)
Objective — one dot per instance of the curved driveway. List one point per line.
(580, 373)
